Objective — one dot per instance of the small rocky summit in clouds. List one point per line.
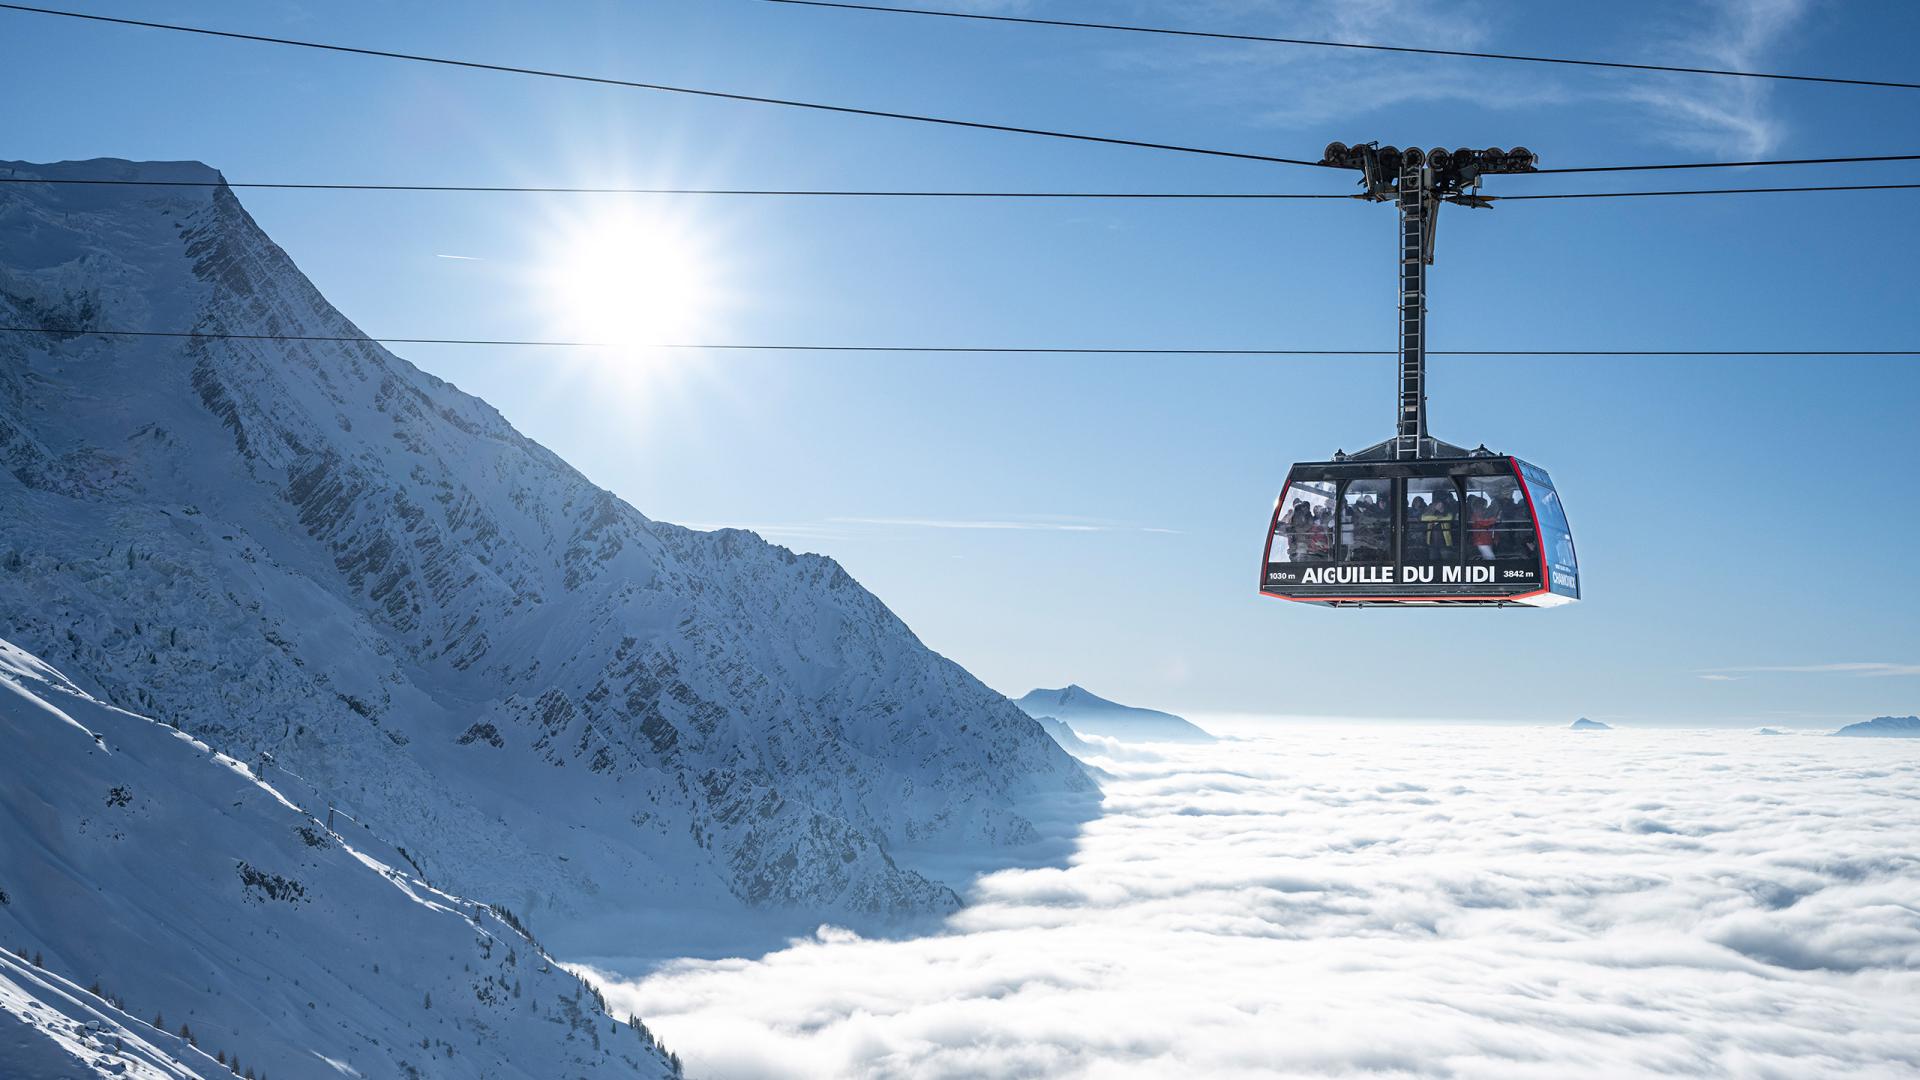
(1584, 724)
(1090, 714)
(1069, 740)
(1884, 727)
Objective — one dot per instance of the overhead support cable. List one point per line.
(782, 192)
(510, 69)
(895, 194)
(1704, 191)
(992, 349)
(847, 110)
(1858, 160)
(1354, 45)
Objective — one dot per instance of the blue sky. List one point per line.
(1098, 520)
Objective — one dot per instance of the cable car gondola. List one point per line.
(1414, 521)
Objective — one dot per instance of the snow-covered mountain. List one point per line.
(211, 921)
(1094, 715)
(550, 701)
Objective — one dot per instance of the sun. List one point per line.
(631, 279)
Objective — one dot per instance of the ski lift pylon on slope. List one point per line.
(1414, 521)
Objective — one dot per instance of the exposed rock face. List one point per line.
(315, 549)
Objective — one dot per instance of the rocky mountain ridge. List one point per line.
(1884, 727)
(313, 549)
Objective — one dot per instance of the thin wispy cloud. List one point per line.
(1823, 717)
(1718, 114)
(1288, 87)
(993, 7)
(1869, 668)
(794, 530)
(1010, 525)
(853, 528)
(1297, 87)
(844, 528)
(461, 258)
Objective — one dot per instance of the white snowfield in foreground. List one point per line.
(1392, 901)
(156, 880)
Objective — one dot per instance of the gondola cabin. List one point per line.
(1414, 521)
(1477, 530)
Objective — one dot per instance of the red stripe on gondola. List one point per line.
(1341, 599)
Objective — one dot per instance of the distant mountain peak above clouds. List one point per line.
(1092, 714)
(1884, 727)
(1070, 694)
(1584, 724)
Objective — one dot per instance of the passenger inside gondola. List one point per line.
(1299, 537)
(1366, 524)
(1373, 530)
(1413, 547)
(1482, 520)
(1439, 518)
(1304, 531)
(1432, 523)
(1515, 538)
(1320, 538)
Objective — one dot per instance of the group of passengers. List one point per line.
(1431, 524)
(1308, 532)
(1501, 527)
(1366, 532)
(1496, 526)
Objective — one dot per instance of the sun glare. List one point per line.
(632, 280)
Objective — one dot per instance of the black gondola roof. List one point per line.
(1430, 447)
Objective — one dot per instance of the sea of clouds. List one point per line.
(1384, 901)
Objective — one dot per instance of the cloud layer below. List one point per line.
(1386, 901)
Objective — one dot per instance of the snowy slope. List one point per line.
(1094, 715)
(549, 700)
(51, 1028)
(161, 875)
